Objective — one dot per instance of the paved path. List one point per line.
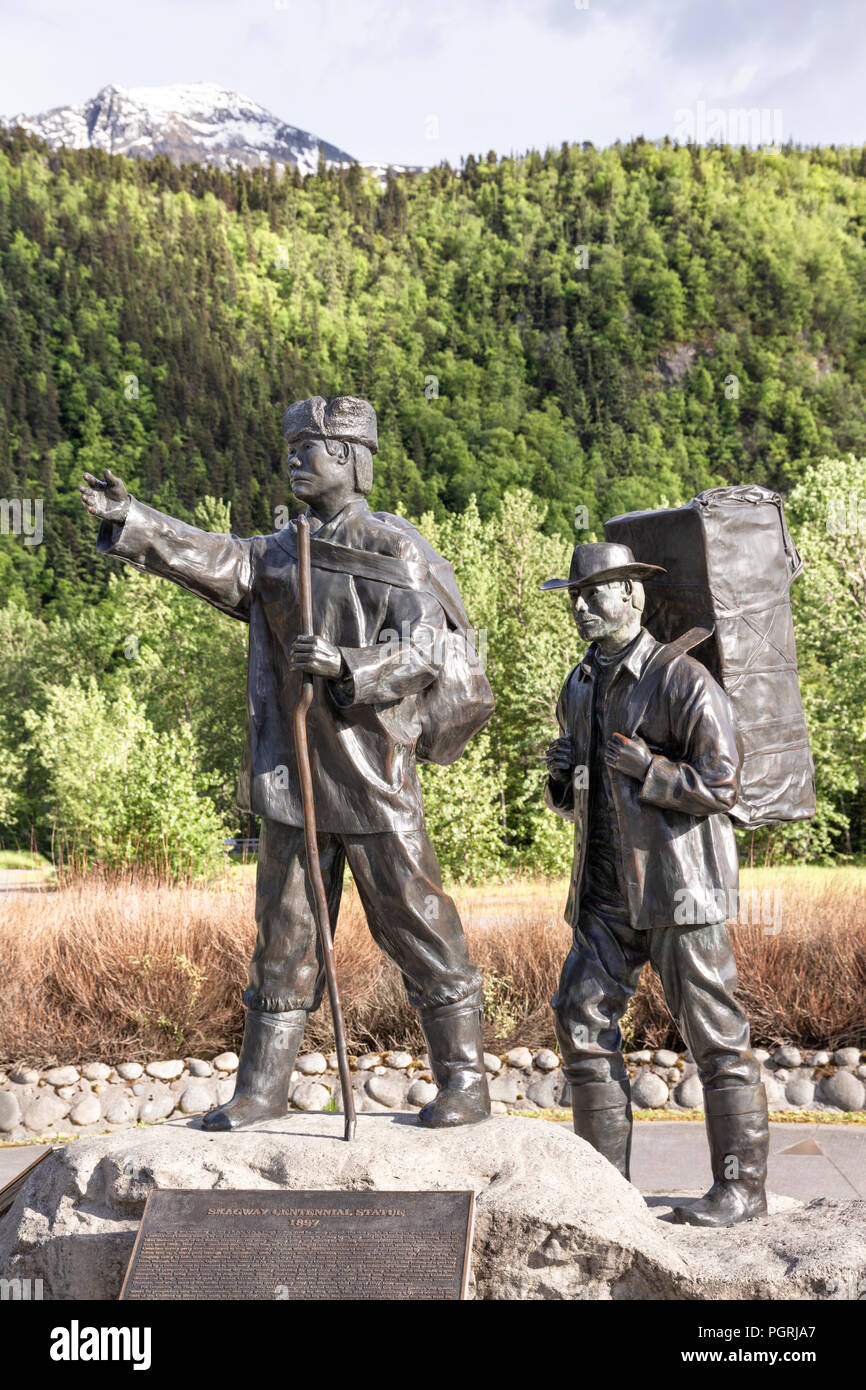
(806, 1161)
(671, 1156)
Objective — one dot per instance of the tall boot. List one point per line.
(456, 1051)
(268, 1053)
(739, 1133)
(602, 1116)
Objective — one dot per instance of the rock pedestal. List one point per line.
(553, 1218)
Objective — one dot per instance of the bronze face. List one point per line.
(605, 614)
(324, 481)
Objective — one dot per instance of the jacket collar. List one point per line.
(286, 537)
(634, 660)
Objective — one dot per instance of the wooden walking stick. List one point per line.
(305, 590)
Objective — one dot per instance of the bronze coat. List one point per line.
(678, 854)
(362, 730)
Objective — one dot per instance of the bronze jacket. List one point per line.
(679, 858)
(361, 730)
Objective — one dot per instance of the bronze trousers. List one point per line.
(698, 975)
(400, 886)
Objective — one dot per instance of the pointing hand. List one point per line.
(108, 499)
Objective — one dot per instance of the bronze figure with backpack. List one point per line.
(375, 707)
(658, 750)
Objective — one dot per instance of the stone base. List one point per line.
(553, 1218)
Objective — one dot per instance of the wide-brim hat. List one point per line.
(599, 562)
(345, 417)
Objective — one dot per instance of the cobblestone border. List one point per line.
(97, 1098)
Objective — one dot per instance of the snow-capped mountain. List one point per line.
(195, 121)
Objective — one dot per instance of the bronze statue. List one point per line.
(389, 687)
(647, 768)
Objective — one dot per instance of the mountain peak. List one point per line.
(188, 121)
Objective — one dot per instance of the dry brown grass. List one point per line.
(122, 971)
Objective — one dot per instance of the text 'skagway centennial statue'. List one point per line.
(386, 611)
(647, 768)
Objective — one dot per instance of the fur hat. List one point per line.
(345, 417)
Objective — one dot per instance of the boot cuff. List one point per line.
(472, 1003)
(600, 1095)
(296, 1019)
(736, 1100)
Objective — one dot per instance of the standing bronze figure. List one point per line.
(647, 768)
(396, 678)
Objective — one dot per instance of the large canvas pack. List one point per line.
(730, 562)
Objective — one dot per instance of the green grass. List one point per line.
(23, 859)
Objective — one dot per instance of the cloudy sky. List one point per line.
(436, 79)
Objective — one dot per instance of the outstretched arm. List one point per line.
(216, 568)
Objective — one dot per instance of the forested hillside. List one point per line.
(605, 329)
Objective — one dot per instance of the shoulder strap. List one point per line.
(660, 658)
(384, 569)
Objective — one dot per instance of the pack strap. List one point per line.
(646, 686)
(382, 569)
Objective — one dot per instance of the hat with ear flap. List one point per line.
(345, 417)
(599, 562)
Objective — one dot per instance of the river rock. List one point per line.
(197, 1097)
(129, 1071)
(399, 1061)
(87, 1111)
(648, 1091)
(119, 1111)
(24, 1076)
(543, 1091)
(156, 1107)
(169, 1070)
(775, 1093)
(492, 1063)
(800, 1090)
(196, 1067)
(310, 1096)
(847, 1056)
(421, 1093)
(819, 1059)
(227, 1061)
(546, 1060)
(367, 1061)
(519, 1057)
(504, 1088)
(96, 1071)
(842, 1089)
(10, 1111)
(312, 1064)
(641, 1058)
(62, 1076)
(665, 1058)
(690, 1093)
(387, 1090)
(554, 1220)
(44, 1110)
(788, 1057)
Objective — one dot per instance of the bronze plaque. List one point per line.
(304, 1245)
